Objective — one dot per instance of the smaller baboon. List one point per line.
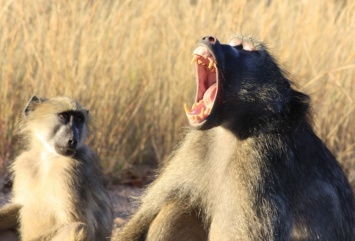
(58, 191)
(251, 167)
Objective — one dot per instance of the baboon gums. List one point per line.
(58, 192)
(251, 167)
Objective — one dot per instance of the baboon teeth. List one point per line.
(211, 64)
(194, 59)
(206, 70)
(187, 108)
(202, 114)
(198, 112)
(207, 61)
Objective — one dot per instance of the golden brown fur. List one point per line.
(57, 179)
(251, 168)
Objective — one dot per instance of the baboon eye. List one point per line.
(79, 118)
(64, 116)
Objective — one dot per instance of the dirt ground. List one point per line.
(122, 197)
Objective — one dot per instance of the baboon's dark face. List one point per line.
(67, 133)
(238, 84)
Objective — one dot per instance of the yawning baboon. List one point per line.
(251, 167)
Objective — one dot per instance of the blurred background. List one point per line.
(129, 63)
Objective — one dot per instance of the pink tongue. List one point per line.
(209, 96)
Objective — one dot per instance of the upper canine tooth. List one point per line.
(194, 59)
(214, 67)
(211, 62)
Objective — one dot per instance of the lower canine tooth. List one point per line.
(202, 114)
(186, 108)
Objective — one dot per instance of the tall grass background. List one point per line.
(129, 63)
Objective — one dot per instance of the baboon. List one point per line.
(58, 191)
(251, 166)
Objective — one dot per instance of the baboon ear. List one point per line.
(32, 103)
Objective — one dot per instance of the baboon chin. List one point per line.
(58, 191)
(251, 166)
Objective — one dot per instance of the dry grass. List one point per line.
(129, 63)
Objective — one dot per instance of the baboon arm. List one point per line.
(135, 229)
(175, 223)
(152, 202)
(9, 214)
(172, 223)
(73, 232)
(70, 232)
(160, 192)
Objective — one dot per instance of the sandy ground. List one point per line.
(122, 197)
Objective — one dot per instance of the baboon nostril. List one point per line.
(72, 143)
(209, 38)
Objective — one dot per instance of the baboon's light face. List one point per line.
(59, 125)
(62, 133)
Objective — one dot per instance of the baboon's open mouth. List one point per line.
(207, 87)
